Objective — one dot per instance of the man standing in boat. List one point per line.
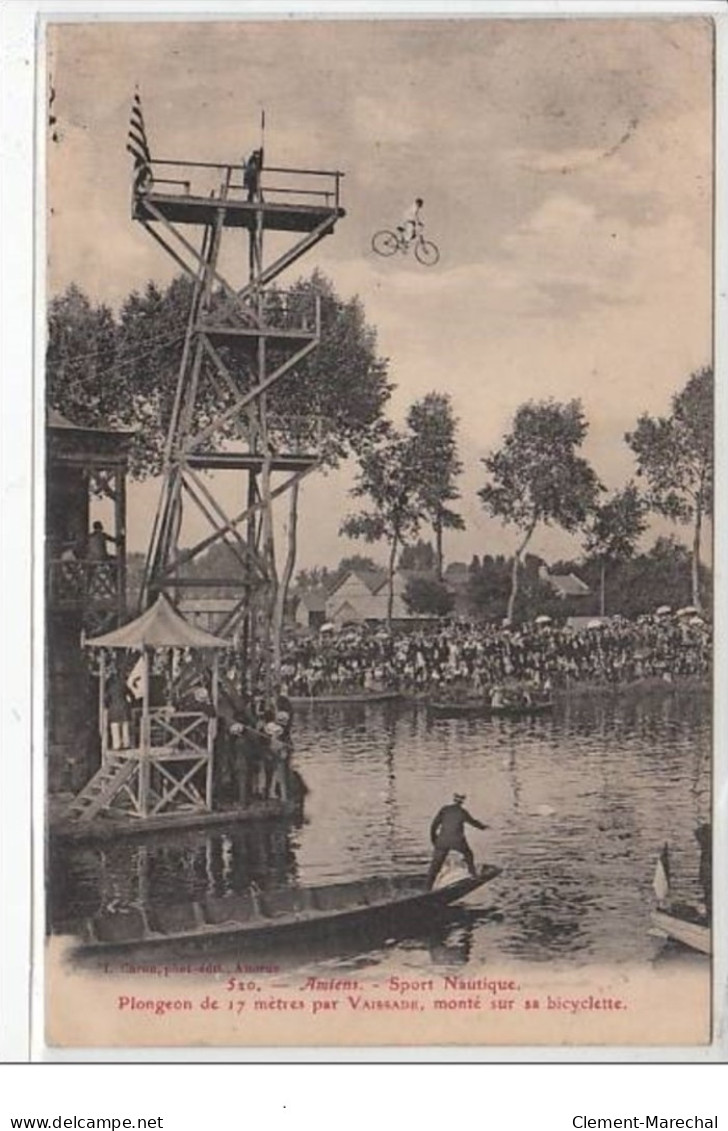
(447, 833)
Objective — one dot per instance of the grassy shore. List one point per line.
(650, 687)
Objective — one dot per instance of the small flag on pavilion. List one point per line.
(661, 879)
(135, 679)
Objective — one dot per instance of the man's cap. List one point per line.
(458, 796)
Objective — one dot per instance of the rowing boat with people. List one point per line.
(478, 708)
(286, 917)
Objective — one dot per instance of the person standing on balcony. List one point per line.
(96, 546)
(252, 169)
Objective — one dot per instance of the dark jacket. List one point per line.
(448, 828)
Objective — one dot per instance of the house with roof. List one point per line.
(362, 595)
(564, 584)
(309, 608)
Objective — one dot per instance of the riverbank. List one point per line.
(654, 687)
(651, 687)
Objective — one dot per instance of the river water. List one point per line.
(578, 805)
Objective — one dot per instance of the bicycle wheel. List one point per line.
(426, 253)
(385, 243)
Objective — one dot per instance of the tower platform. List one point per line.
(194, 192)
(246, 461)
(183, 209)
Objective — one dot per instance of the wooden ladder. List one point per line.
(101, 789)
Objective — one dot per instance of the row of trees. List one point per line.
(121, 369)
(539, 477)
(659, 575)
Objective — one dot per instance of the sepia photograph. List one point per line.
(378, 495)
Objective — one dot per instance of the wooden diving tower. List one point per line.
(243, 336)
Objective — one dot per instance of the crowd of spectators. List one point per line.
(472, 657)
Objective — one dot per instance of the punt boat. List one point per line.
(382, 906)
(481, 709)
(346, 697)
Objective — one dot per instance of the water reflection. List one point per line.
(160, 870)
(578, 806)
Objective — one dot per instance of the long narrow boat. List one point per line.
(685, 926)
(345, 698)
(480, 709)
(264, 921)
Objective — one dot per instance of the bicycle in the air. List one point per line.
(388, 242)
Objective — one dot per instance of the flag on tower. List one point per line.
(136, 142)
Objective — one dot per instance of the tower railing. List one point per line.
(212, 180)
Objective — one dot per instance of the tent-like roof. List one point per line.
(161, 626)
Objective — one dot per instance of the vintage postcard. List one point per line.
(379, 512)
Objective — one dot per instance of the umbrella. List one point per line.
(663, 609)
(328, 627)
(696, 620)
(688, 611)
(594, 624)
(543, 619)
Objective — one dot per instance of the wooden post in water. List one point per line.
(103, 725)
(145, 740)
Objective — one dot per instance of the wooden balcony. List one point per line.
(74, 583)
(193, 192)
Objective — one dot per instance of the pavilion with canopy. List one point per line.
(165, 765)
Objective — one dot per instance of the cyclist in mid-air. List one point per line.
(409, 233)
(412, 225)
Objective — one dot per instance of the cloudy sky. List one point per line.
(566, 168)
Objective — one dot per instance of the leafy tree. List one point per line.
(489, 587)
(428, 596)
(124, 373)
(614, 528)
(119, 373)
(331, 404)
(538, 477)
(434, 431)
(355, 562)
(489, 590)
(317, 577)
(675, 455)
(80, 353)
(419, 556)
(389, 477)
(661, 576)
(150, 340)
